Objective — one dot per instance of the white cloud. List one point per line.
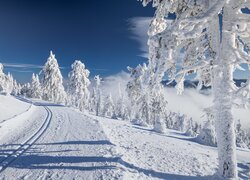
(139, 27)
(24, 66)
(111, 84)
(20, 71)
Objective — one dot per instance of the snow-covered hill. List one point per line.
(56, 142)
(11, 107)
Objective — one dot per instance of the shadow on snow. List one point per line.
(33, 159)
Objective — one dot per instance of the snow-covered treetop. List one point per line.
(52, 81)
(52, 65)
(1, 68)
(98, 80)
(78, 78)
(78, 66)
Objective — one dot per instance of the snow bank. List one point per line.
(10, 126)
(10, 107)
(145, 154)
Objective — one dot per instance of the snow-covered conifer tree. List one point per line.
(52, 81)
(19, 88)
(35, 87)
(195, 32)
(78, 86)
(120, 107)
(240, 136)
(26, 90)
(158, 108)
(2, 78)
(9, 82)
(108, 108)
(98, 96)
(6, 82)
(15, 90)
(138, 94)
(190, 128)
(92, 100)
(207, 134)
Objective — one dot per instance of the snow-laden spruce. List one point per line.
(6, 82)
(35, 88)
(52, 81)
(2, 78)
(121, 110)
(26, 90)
(207, 134)
(78, 93)
(96, 100)
(109, 107)
(138, 95)
(16, 88)
(195, 35)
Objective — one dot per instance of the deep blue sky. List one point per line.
(94, 31)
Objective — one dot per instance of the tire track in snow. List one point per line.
(28, 143)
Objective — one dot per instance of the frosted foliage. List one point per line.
(2, 78)
(160, 126)
(241, 136)
(135, 85)
(1, 69)
(78, 86)
(96, 98)
(25, 90)
(6, 82)
(15, 90)
(120, 108)
(108, 109)
(207, 135)
(35, 87)
(52, 82)
(191, 43)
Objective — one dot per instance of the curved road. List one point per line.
(58, 143)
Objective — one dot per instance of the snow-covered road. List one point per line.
(57, 143)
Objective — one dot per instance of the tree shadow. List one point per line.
(64, 162)
(37, 160)
(99, 142)
(244, 171)
(32, 160)
(162, 175)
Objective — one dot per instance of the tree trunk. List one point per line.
(223, 81)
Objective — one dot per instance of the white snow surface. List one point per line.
(149, 155)
(57, 142)
(11, 107)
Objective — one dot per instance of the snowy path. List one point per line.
(23, 147)
(67, 146)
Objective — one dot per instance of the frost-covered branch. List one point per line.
(207, 15)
